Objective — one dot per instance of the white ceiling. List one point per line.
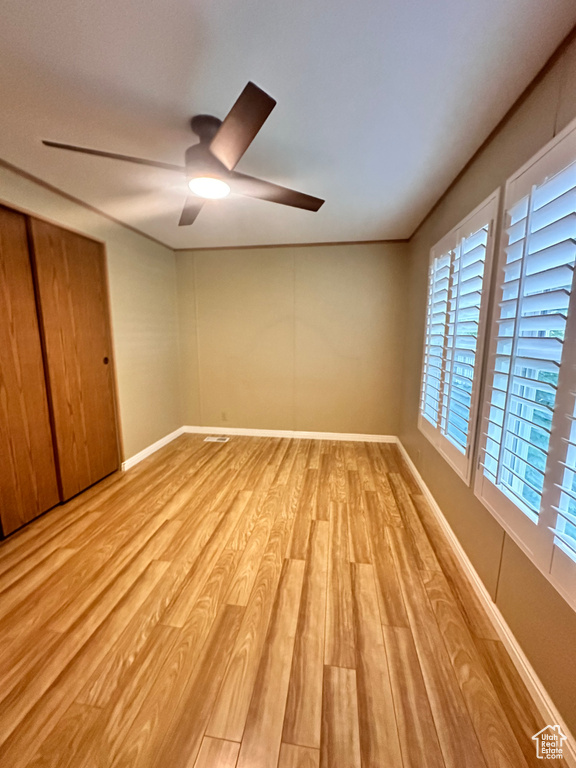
(380, 102)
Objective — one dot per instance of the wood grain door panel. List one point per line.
(72, 292)
(28, 484)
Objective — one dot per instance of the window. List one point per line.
(527, 465)
(458, 283)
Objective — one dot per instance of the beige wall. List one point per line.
(543, 623)
(304, 338)
(142, 278)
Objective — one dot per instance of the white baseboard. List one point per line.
(533, 683)
(143, 454)
(241, 431)
(347, 436)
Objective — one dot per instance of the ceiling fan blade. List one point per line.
(192, 208)
(241, 125)
(265, 190)
(114, 156)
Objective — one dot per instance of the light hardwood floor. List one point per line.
(262, 603)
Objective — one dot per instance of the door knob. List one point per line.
(106, 360)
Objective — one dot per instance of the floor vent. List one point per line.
(213, 439)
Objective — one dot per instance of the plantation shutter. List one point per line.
(458, 275)
(466, 289)
(436, 321)
(565, 525)
(527, 473)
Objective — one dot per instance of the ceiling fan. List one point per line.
(209, 164)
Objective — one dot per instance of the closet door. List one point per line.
(28, 483)
(73, 298)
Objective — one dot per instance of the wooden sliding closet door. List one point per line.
(73, 298)
(28, 483)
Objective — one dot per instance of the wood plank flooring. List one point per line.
(263, 603)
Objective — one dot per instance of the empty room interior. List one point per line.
(287, 384)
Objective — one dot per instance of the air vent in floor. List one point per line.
(213, 439)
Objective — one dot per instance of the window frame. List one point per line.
(535, 538)
(484, 215)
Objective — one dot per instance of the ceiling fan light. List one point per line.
(209, 187)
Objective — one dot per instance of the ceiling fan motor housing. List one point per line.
(201, 162)
(205, 127)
